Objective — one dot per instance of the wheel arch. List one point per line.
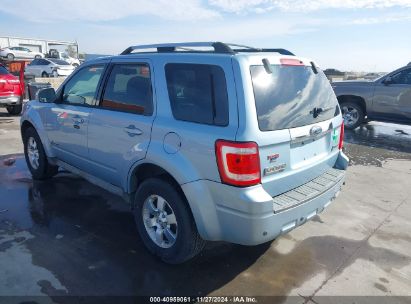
(30, 123)
(355, 99)
(147, 170)
(24, 126)
(144, 171)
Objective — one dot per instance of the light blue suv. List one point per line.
(206, 141)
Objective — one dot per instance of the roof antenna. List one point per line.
(267, 66)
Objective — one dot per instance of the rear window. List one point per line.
(3, 70)
(59, 62)
(292, 96)
(198, 93)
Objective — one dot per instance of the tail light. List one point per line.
(238, 163)
(341, 142)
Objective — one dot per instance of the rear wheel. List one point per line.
(44, 75)
(10, 56)
(353, 115)
(165, 223)
(36, 158)
(14, 110)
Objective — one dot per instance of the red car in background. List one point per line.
(10, 91)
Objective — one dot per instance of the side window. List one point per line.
(34, 62)
(43, 62)
(82, 87)
(198, 93)
(403, 77)
(128, 89)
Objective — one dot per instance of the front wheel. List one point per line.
(353, 115)
(165, 223)
(36, 158)
(37, 57)
(44, 75)
(14, 110)
(10, 57)
(55, 74)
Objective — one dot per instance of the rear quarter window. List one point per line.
(198, 93)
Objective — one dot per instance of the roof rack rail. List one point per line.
(218, 47)
(280, 51)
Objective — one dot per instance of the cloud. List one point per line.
(235, 31)
(177, 10)
(373, 20)
(260, 6)
(99, 10)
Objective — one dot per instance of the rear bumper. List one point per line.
(249, 216)
(64, 72)
(10, 100)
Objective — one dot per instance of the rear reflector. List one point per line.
(238, 163)
(290, 61)
(341, 142)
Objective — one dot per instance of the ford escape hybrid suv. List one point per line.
(206, 141)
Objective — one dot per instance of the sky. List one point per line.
(350, 35)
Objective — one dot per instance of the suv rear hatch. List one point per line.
(299, 122)
(9, 84)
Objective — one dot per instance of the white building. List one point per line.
(37, 45)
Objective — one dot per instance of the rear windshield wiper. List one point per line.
(318, 111)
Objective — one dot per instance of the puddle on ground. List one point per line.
(87, 239)
(376, 142)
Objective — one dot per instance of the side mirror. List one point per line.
(46, 95)
(387, 80)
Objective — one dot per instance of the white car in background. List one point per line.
(73, 61)
(10, 53)
(49, 67)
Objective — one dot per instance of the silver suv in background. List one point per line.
(387, 98)
(206, 141)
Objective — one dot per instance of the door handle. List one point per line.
(77, 119)
(132, 131)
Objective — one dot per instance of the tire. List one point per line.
(10, 57)
(55, 74)
(187, 243)
(353, 114)
(14, 110)
(37, 57)
(40, 169)
(75, 65)
(44, 75)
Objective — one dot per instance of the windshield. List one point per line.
(59, 62)
(3, 70)
(292, 96)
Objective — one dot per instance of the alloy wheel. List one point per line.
(33, 153)
(350, 115)
(160, 221)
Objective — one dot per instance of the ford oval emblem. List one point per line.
(316, 130)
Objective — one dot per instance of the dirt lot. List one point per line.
(67, 237)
